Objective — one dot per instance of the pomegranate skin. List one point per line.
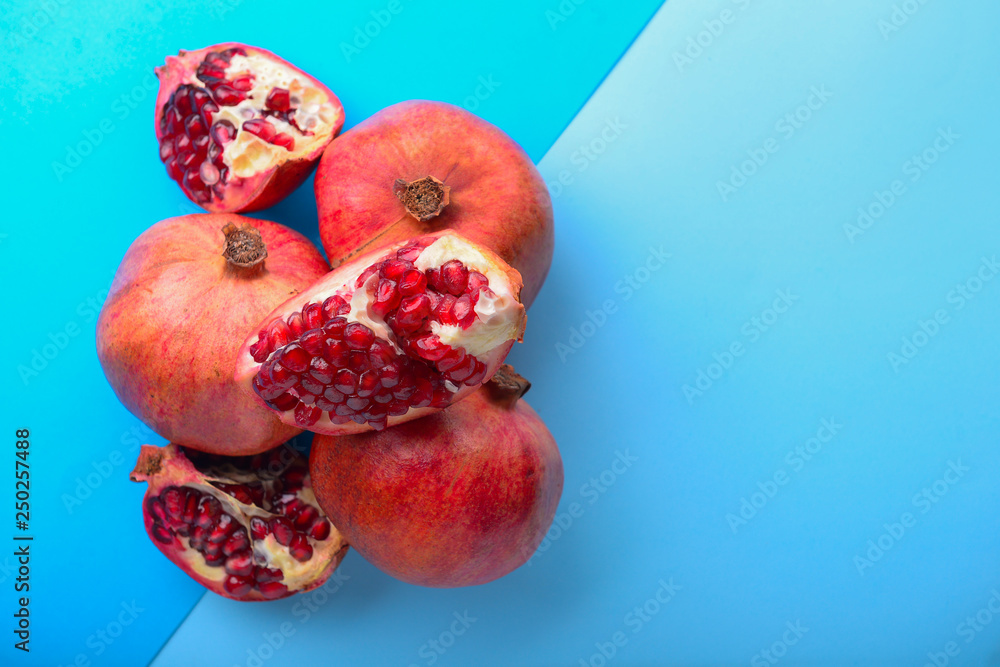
(497, 197)
(459, 498)
(271, 185)
(174, 320)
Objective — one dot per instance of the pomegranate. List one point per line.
(244, 527)
(239, 128)
(420, 166)
(187, 293)
(459, 498)
(393, 335)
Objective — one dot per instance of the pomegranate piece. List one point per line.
(420, 166)
(187, 292)
(247, 528)
(371, 344)
(476, 507)
(251, 122)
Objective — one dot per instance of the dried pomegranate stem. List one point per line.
(423, 198)
(507, 386)
(244, 246)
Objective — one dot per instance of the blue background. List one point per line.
(634, 169)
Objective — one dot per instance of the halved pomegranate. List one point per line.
(247, 527)
(388, 337)
(239, 128)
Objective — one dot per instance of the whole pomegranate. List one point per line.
(390, 336)
(459, 498)
(239, 128)
(245, 527)
(420, 166)
(187, 293)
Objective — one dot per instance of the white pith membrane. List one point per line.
(248, 154)
(498, 319)
(266, 552)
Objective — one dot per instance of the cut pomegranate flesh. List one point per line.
(246, 527)
(237, 114)
(404, 333)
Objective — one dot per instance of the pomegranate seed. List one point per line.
(320, 529)
(260, 128)
(334, 328)
(336, 353)
(278, 99)
(284, 378)
(295, 358)
(331, 307)
(223, 132)
(157, 509)
(464, 370)
(321, 370)
(358, 336)
(357, 403)
(478, 375)
(430, 347)
(194, 126)
(454, 277)
(284, 402)
(477, 281)
(282, 530)
(173, 502)
(398, 408)
(208, 509)
(240, 565)
(222, 529)
(237, 586)
(258, 528)
(357, 361)
(162, 533)
(236, 543)
(305, 518)
(345, 381)
(462, 310)
(312, 316)
(243, 83)
(166, 149)
(272, 590)
(208, 173)
(394, 269)
(295, 325)
(333, 395)
(444, 312)
(300, 548)
(365, 275)
(226, 96)
(409, 253)
(265, 575)
(434, 280)
(284, 140)
(368, 383)
(313, 387)
(312, 341)
(451, 360)
(412, 282)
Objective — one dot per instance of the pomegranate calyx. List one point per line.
(507, 385)
(244, 246)
(149, 463)
(423, 198)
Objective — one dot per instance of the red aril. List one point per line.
(419, 167)
(248, 528)
(187, 293)
(238, 127)
(388, 337)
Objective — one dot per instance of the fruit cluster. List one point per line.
(229, 335)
